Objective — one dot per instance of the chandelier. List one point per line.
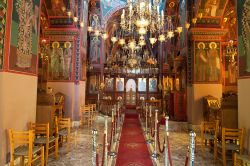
(145, 18)
(131, 57)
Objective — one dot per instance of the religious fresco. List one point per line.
(95, 42)
(109, 84)
(243, 7)
(3, 11)
(207, 62)
(211, 8)
(142, 84)
(24, 36)
(60, 60)
(120, 84)
(109, 6)
(84, 34)
(95, 50)
(93, 84)
(183, 20)
(152, 84)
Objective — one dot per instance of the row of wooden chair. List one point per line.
(88, 114)
(222, 141)
(38, 143)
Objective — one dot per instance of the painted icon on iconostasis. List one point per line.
(60, 61)
(142, 84)
(120, 84)
(207, 62)
(93, 84)
(109, 84)
(152, 84)
(24, 36)
(212, 7)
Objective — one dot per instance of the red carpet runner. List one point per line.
(133, 149)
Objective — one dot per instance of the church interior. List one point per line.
(124, 82)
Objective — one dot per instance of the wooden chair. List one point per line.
(241, 160)
(232, 140)
(209, 131)
(85, 114)
(43, 138)
(23, 140)
(63, 129)
(58, 109)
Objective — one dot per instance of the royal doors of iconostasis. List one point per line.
(130, 92)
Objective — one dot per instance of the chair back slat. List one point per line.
(40, 129)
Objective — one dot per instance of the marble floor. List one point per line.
(82, 152)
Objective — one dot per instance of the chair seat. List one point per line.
(42, 140)
(208, 136)
(23, 150)
(64, 132)
(230, 146)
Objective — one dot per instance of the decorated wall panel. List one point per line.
(60, 60)
(3, 11)
(243, 8)
(207, 62)
(84, 38)
(24, 36)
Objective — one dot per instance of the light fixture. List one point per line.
(121, 42)
(97, 33)
(105, 36)
(161, 38)
(194, 20)
(187, 25)
(81, 24)
(152, 40)
(90, 29)
(114, 39)
(69, 13)
(170, 34)
(142, 31)
(179, 29)
(75, 19)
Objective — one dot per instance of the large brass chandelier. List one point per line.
(145, 18)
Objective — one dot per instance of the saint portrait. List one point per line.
(201, 62)
(152, 84)
(109, 84)
(213, 57)
(119, 84)
(142, 84)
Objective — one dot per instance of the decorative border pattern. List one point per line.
(3, 12)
